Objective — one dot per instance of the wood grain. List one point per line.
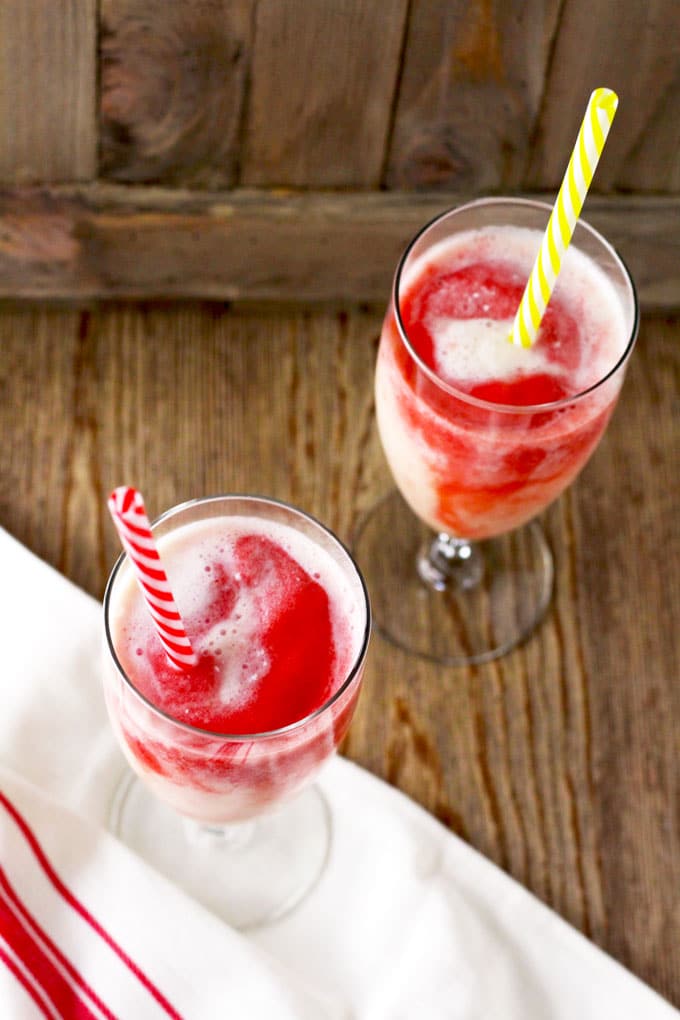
(653, 162)
(470, 92)
(48, 83)
(321, 92)
(560, 761)
(173, 81)
(629, 559)
(451, 95)
(107, 241)
(633, 49)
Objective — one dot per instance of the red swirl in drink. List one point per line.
(278, 620)
(481, 435)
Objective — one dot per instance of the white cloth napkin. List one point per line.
(407, 922)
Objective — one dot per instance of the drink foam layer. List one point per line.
(469, 324)
(232, 586)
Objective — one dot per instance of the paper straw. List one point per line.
(132, 524)
(571, 196)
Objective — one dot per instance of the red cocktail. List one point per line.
(278, 619)
(481, 435)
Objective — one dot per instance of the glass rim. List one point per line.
(489, 405)
(352, 674)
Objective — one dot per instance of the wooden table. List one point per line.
(561, 761)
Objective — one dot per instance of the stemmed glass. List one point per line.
(458, 569)
(233, 819)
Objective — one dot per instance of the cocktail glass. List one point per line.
(233, 819)
(468, 592)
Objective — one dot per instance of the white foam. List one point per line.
(235, 644)
(474, 349)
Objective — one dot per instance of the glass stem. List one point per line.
(449, 563)
(235, 836)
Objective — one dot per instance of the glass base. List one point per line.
(452, 602)
(249, 873)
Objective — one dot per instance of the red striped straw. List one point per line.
(132, 524)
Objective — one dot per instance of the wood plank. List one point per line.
(631, 48)
(470, 92)
(653, 162)
(73, 243)
(559, 762)
(321, 92)
(45, 383)
(172, 89)
(635, 734)
(48, 82)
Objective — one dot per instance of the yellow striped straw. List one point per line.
(571, 196)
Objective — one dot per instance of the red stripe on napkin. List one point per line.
(57, 988)
(47, 947)
(29, 985)
(82, 911)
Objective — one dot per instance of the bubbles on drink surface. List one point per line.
(272, 622)
(459, 301)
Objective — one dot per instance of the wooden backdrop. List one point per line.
(253, 148)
